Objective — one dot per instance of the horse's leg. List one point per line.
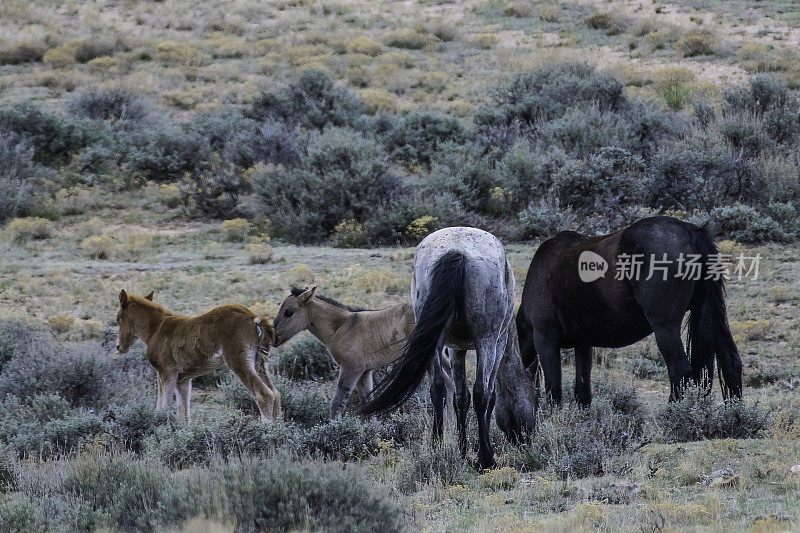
(450, 385)
(461, 398)
(548, 348)
(438, 395)
(167, 384)
(490, 354)
(243, 365)
(276, 402)
(183, 393)
(364, 386)
(671, 347)
(348, 377)
(583, 371)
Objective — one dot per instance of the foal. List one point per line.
(181, 348)
(359, 340)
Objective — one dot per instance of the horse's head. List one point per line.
(126, 333)
(293, 315)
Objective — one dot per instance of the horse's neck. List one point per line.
(148, 321)
(325, 319)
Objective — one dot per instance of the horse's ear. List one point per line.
(307, 295)
(150, 296)
(123, 298)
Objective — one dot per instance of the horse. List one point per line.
(182, 348)
(359, 340)
(559, 309)
(517, 393)
(463, 298)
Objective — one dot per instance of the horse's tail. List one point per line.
(709, 334)
(441, 303)
(266, 335)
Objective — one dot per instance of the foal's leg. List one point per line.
(462, 398)
(670, 344)
(276, 402)
(167, 383)
(583, 371)
(243, 365)
(183, 394)
(364, 386)
(348, 376)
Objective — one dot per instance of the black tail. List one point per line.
(709, 334)
(441, 304)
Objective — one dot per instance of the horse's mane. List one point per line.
(149, 304)
(297, 291)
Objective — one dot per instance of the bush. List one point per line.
(214, 192)
(342, 177)
(346, 438)
(546, 217)
(18, 177)
(365, 45)
(53, 138)
(611, 23)
(128, 494)
(235, 230)
(349, 234)
(549, 92)
(29, 228)
(23, 52)
(746, 224)
(99, 246)
(609, 178)
(280, 494)
(579, 442)
(697, 43)
(312, 100)
(418, 136)
(205, 440)
(699, 416)
(81, 378)
(43, 426)
(409, 38)
(115, 104)
(270, 142)
(424, 463)
(164, 154)
(303, 404)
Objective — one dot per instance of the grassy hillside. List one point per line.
(399, 55)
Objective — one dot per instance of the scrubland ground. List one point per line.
(629, 463)
(130, 128)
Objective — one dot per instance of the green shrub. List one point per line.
(744, 223)
(346, 438)
(303, 404)
(342, 177)
(307, 358)
(577, 442)
(697, 43)
(546, 217)
(549, 92)
(312, 100)
(115, 104)
(585, 183)
(18, 514)
(163, 154)
(700, 416)
(128, 494)
(53, 138)
(204, 440)
(22, 230)
(418, 136)
(280, 494)
(44, 426)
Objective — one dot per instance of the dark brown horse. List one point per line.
(584, 291)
